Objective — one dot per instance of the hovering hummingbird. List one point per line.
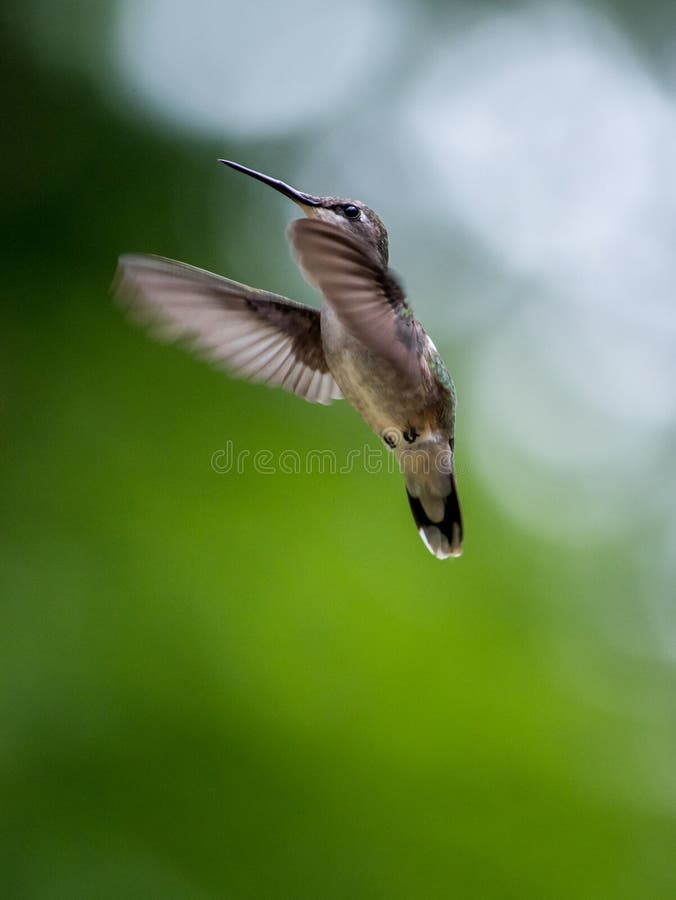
(364, 345)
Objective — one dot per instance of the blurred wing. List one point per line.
(253, 334)
(367, 298)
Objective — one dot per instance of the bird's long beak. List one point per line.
(298, 197)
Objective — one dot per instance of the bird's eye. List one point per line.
(351, 212)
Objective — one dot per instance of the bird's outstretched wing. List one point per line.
(367, 298)
(253, 334)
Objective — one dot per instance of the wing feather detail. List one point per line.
(367, 298)
(253, 334)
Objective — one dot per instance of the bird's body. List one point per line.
(416, 421)
(364, 345)
(372, 389)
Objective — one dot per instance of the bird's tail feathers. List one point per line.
(437, 515)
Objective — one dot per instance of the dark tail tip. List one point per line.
(443, 538)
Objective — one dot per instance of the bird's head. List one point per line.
(352, 216)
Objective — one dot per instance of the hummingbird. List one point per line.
(364, 345)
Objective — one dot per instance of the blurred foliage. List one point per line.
(252, 686)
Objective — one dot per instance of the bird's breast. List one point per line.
(376, 390)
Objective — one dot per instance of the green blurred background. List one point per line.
(251, 686)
